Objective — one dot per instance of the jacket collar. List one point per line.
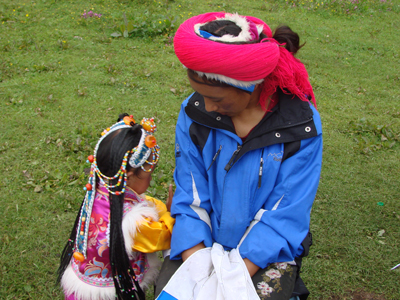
(289, 111)
(291, 120)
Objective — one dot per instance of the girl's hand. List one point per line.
(169, 199)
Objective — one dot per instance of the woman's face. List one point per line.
(227, 101)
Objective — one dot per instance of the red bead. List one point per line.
(117, 193)
(91, 158)
(88, 187)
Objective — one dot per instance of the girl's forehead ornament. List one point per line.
(146, 147)
(139, 155)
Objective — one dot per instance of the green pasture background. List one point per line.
(64, 78)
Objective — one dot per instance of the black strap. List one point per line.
(300, 288)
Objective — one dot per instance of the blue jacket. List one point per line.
(258, 193)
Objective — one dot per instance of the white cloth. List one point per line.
(211, 274)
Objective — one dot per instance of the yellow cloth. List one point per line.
(153, 236)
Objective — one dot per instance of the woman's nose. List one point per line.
(210, 106)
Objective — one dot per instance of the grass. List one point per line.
(63, 78)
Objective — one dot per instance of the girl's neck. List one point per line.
(132, 190)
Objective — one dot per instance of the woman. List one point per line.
(248, 150)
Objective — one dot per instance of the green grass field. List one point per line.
(64, 78)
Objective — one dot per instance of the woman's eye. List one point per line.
(214, 100)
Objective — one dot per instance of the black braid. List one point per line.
(125, 284)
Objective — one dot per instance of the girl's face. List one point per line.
(139, 180)
(227, 101)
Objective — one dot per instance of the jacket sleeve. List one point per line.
(152, 235)
(277, 231)
(191, 202)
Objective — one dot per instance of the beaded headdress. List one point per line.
(136, 158)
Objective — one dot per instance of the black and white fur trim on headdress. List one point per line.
(233, 82)
(244, 36)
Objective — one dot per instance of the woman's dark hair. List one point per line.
(282, 34)
(211, 82)
(109, 160)
(221, 27)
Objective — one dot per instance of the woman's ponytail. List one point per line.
(284, 35)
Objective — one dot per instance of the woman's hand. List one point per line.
(169, 200)
(188, 252)
(252, 268)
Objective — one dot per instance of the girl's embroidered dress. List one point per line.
(147, 228)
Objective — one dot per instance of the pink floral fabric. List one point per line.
(96, 269)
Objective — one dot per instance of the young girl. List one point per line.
(110, 252)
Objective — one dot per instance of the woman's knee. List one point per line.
(168, 269)
(276, 282)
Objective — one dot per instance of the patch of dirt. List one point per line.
(358, 295)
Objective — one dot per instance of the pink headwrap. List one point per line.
(267, 62)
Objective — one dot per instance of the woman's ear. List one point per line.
(258, 85)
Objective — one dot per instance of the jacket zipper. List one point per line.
(260, 171)
(215, 156)
(230, 163)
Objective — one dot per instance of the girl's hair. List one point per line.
(109, 160)
(282, 34)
